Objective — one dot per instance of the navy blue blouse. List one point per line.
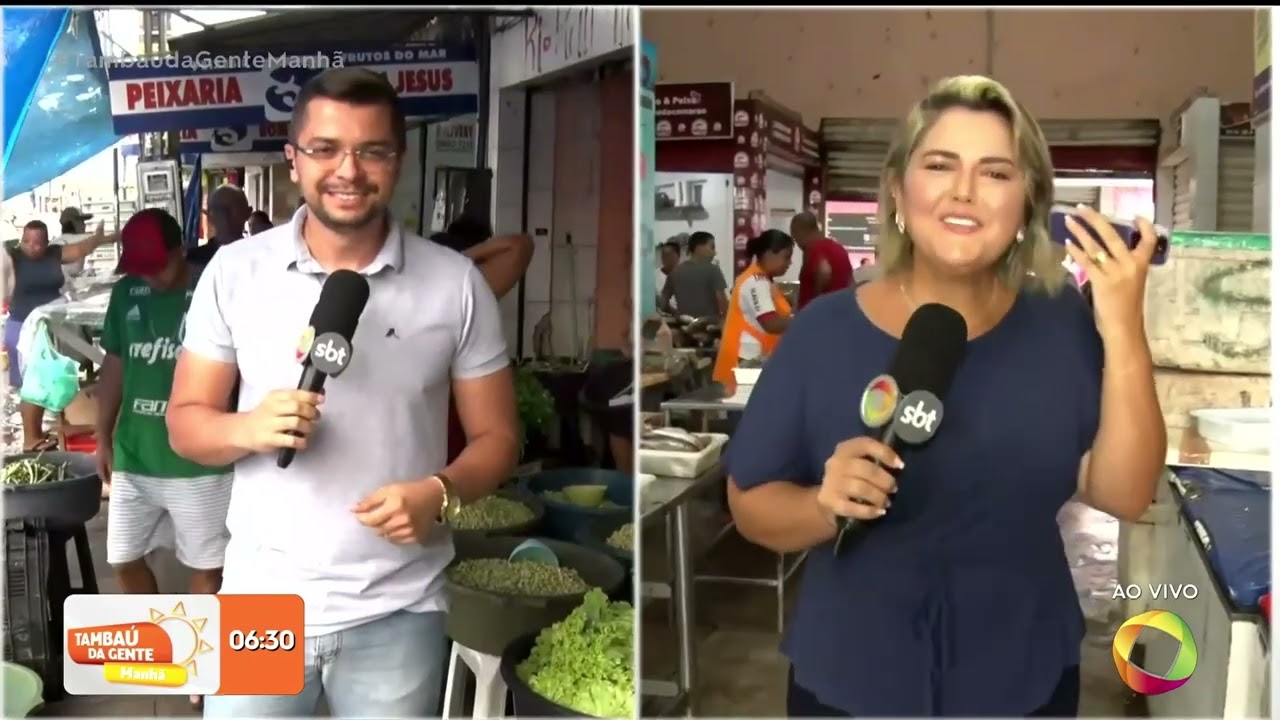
(960, 600)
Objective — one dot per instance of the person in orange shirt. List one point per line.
(758, 311)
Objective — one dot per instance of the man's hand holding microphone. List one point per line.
(284, 419)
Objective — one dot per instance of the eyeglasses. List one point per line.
(373, 154)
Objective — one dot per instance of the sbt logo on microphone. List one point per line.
(918, 417)
(331, 353)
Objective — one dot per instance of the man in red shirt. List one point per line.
(825, 266)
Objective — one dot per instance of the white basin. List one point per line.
(1242, 430)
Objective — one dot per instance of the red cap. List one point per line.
(146, 241)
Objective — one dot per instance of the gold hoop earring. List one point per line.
(902, 226)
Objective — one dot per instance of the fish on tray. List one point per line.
(672, 439)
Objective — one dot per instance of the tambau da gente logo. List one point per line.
(162, 652)
(1142, 680)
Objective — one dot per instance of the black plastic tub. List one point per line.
(527, 702)
(69, 502)
(488, 622)
(530, 527)
(595, 534)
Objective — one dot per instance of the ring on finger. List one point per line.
(1100, 258)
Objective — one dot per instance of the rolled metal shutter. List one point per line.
(856, 148)
(855, 152)
(1077, 195)
(1235, 184)
(1101, 133)
(1182, 195)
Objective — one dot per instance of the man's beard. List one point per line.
(342, 226)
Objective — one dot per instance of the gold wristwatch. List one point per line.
(451, 505)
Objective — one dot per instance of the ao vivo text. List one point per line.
(1162, 591)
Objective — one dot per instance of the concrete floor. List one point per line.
(740, 672)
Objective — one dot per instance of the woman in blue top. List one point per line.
(38, 279)
(958, 600)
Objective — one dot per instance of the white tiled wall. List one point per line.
(575, 217)
(506, 156)
(717, 200)
(406, 204)
(549, 44)
(541, 209)
(784, 195)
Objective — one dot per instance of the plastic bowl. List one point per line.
(23, 690)
(534, 551)
(587, 496)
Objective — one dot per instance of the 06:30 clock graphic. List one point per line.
(183, 645)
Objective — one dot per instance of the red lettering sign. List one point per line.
(435, 80)
(190, 135)
(273, 130)
(183, 93)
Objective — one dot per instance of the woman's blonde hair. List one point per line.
(1034, 262)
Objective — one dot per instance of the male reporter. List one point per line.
(352, 524)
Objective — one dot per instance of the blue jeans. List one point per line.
(389, 668)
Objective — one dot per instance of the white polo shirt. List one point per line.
(431, 318)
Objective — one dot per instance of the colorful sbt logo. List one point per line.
(879, 401)
(304, 343)
(1138, 679)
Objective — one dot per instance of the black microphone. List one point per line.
(325, 350)
(907, 402)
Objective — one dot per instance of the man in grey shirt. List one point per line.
(697, 284)
(352, 525)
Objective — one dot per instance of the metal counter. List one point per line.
(660, 499)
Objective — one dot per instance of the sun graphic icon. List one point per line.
(185, 633)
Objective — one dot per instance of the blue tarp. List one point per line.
(191, 201)
(57, 106)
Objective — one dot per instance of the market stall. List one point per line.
(1214, 536)
(681, 490)
(731, 166)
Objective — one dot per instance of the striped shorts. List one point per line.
(186, 514)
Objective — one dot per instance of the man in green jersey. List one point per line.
(157, 498)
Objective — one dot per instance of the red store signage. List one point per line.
(693, 111)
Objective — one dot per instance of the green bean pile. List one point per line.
(623, 538)
(492, 513)
(527, 579)
(560, 497)
(33, 471)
